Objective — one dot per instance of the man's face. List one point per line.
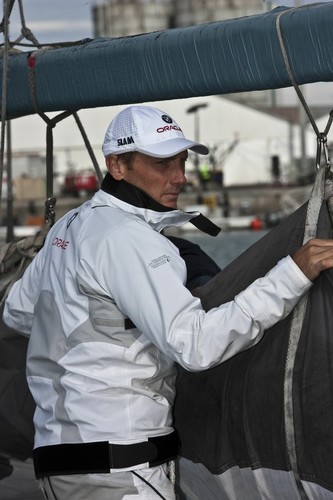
(160, 178)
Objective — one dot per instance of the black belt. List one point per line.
(100, 457)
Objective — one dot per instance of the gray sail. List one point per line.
(240, 424)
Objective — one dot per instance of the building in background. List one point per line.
(28, 174)
(131, 17)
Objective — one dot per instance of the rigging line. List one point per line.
(290, 71)
(293, 80)
(7, 8)
(55, 45)
(329, 123)
(32, 86)
(26, 32)
(89, 148)
(50, 199)
(10, 5)
(51, 123)
(10, 198)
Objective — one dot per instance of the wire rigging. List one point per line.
(7, 6)
(321, 136)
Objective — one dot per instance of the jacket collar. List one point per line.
(136, 197)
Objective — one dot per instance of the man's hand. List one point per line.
(315, 256)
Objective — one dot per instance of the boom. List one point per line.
(235, 55)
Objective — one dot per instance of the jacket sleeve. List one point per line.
(240, 323)
(147, 282)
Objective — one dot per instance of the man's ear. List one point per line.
(115, 167)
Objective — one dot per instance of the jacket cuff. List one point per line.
(272, 298)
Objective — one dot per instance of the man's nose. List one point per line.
(178, 176)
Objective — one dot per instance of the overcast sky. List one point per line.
(54, 20)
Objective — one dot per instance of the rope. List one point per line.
(26, 32)
(318, 194)
(10, 196)
(89, 148)
(51, 123)
(293, 80)
(290, 71)
(7, 11)
(172, 472)
(8, 5)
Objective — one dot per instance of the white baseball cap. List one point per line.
(149, 131)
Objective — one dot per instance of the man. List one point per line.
(108, 314)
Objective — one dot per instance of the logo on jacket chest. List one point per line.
(163, 259)
(60, 243)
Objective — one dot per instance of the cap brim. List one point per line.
(172, 147)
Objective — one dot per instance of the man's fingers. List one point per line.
(314, 257)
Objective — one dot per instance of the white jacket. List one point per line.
(93, 376)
